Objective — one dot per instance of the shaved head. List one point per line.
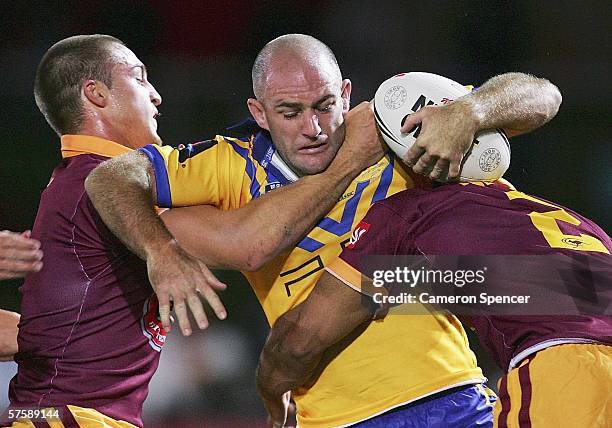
(301, 100)
(297, 49)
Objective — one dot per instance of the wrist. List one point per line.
(343, 168)
(473, 110)
(160, 248)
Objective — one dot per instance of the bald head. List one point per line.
(293, 49)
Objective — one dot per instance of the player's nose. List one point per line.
(156, 98)
(311, 126)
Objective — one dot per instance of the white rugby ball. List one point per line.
(406, 93)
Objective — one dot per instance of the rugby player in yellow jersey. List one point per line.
(300, 103)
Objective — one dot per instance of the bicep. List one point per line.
(113, 174)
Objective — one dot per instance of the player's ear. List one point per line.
(346, 95)
(257, 111)
(96, 92)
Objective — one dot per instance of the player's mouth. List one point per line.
(156, 115)
(314, 149)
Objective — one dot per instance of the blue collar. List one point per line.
(264, 151)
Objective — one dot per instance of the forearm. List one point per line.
(284, 366)
(237, 239)
(301, 336)
(305, 202)
(291, 212)
(122, 193)
(8, 334)
(297, 208)
(515, 102)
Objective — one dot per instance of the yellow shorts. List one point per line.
(562, 386)
(77, 417)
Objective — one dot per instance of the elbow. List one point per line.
(551, 99)
(557, 99)
(237, 255)
(235, 260)
(254, 255)
(252, 262)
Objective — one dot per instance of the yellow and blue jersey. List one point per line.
(393, 361)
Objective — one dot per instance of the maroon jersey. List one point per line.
(489, 219)
(89, 334)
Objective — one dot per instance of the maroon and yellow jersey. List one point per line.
(486, 219)
(89, 333)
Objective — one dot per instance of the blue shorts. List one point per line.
(462, 407)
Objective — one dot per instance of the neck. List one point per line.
(99, 130)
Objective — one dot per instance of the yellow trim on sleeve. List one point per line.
(345, 273)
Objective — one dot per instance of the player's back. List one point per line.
(90, 289)
(494, 219)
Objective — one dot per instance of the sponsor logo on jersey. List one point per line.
(151, 324)
(272, 186)
(574, 242)
(373, 171)
(268, 157)
(359, 231)
(346, 195)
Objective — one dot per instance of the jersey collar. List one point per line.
(264, 151)
(74, 145)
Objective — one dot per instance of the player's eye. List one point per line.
(290, 115)
(141, 77)
(327, 107)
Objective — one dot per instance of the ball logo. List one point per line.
(395, 97)
(358, 232)
(151, 324)
(489, 159)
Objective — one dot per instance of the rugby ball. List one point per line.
(406, 93)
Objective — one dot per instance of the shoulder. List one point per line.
(78, 167)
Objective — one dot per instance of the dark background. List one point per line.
(199, 56)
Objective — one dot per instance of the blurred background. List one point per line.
(199, 56)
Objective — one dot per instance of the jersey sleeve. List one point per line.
(213, 172)
(379, 233)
